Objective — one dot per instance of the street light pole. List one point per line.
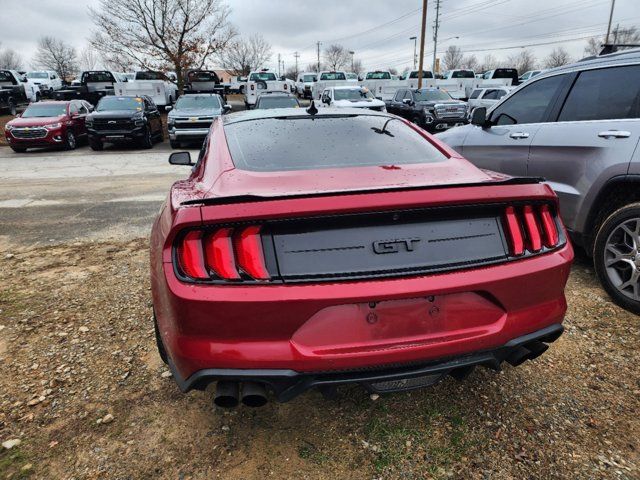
(424, 28)
(352, 54)
(415, 51)
(613, 4)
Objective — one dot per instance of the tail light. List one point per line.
(253, 87)
(530, 228)
(227, 254)
(285, 86)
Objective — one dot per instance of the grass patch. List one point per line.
(11, 462)
(308, 451)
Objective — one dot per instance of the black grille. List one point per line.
(29, 132)
(112, 124)
(192, 125)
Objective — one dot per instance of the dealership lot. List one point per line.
(79, 371)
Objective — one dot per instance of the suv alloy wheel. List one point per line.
(70, 141)
(616, 256)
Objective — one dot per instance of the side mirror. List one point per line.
(479, 117)
(168, 108)
(227, 108)
(180, 158)
(407, 101)
(326, 100)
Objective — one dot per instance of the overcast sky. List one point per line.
(377, 31)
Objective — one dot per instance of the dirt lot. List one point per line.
(83, 389)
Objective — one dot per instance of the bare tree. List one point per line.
(88, 59)
(593, 47)
(10, 60)
(470, 62)
(162, 34)
(245, 54)
(54, 54)
(523, 61)
(313, 67)
(489, 62)
(336, 57)
(452, 58)
(393, 71)
(357, 67)
(558, 57)
(624, 35)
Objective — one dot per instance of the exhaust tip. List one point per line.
(226, 394)
(253, 395)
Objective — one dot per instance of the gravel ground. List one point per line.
(84, 395)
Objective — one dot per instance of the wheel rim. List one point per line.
(622, 258)
(71, 140)
(149, 137)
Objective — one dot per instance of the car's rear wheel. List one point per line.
(70, 141)
(96, 145)
(616, 256)
(147, 139)
(13, 110)
(18, 149)
(161, 134)
(175, 144)
(161, 350)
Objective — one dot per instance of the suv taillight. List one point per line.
(227, 254)
(530, 228)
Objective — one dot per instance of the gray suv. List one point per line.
(579, 127)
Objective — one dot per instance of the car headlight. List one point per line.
(139, 123)
(88, 123)
(8, 127)
(53, 126)
(171, 121)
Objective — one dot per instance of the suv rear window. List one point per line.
(308, 143)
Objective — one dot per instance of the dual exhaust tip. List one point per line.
(526, 352)
(229, 394)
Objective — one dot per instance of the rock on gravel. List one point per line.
(9, 444)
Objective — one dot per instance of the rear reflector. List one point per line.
(549, 227)
(250, 256)
(223, 254)
(514, 231)
(533, 230)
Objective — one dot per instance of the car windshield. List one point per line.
(98, 77)
(120, 103)
(275, 144)
(37, 75)
(431, 94)
(378, 76)
(310, 78)
(333, 76)
(197, 102)
(352, 94)
(37, 110)
(463, 74)
(264, 76)
(277, 102)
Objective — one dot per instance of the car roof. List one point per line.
(284, 113)
(626, 57)
(347, 87)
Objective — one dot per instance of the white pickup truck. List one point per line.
(46, 81)
(305, 84)
(353, 96)
(384, 86)
(330, 79)
(155, 85)
(263, 81)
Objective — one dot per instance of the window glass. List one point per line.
(45, 109)
(73, 108)
(463, 74)
(475, 94)
(190, 102)
(399, 96)
(264, 76)
(120, 103)
(353, 94)
(279, 101)
(98, 77)
(490, 95)
(407, 95)
(501, 93)
(425, 74)
(333, 76)
(431, 95)
(595, 97)
(529, 105)
(378, 76)
(274, 144)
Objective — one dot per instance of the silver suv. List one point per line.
(579, 127)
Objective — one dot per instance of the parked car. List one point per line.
(93, 85)
(571, 127)
(13, 92)
(203, 81)
(155, 85)
(47, 81)
(431, 108)
(260, 82)
(458, 74)
(329, 79)
(351, 97)
(49, 124)
(305, 84)
(486, 97)
(276, 100)
(503, 73)
(353, 248)
(192, 116)
(237, 84)
(125, 119)
(528, 75)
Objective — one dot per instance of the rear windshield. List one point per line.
(310, 78)
(333, 76)
(120, 103)
(463, 74)
(277, 102)
(97, 77)
(6, 76)
(264, 76)
(378, 76)
(36, 110)
(198, 102)
(150, 76)
(308, 143)
(425, 74)
(203, 76)
(505, 73)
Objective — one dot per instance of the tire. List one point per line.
(13, 110)
(616, 256)
(70, 142)
(96, 145)
(146, 141)
(175, 144)
(161, 350)
(161, 134)
(18, 149)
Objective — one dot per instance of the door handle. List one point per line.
(614, 134)
(519, 135)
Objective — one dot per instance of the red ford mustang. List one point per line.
(313, 249)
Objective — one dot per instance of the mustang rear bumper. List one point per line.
(288, 384)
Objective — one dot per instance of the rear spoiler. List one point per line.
(235, 199)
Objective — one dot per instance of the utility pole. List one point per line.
(319, 43)
(613, 4)
(278, 65)
(436, 26)
(415, 51)
(352, 54)
(424, 29)
(297, 56)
